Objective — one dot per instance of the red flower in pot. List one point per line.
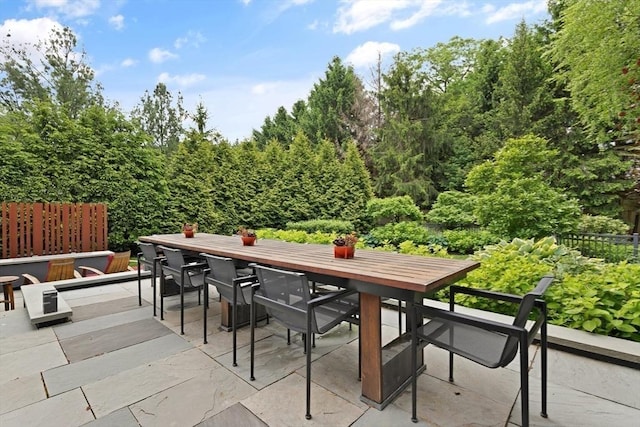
(189, 230)
(248, 236)
(345, 246)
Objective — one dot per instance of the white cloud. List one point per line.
(193, 38)
(69, 8)
(183, 80)
(367, 53)
(514, 10)
(25, 31)
(245, 2)
(128, 62)
(360, 15)
(117, 22)
(158, 55)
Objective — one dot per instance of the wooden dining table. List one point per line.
(373, 273)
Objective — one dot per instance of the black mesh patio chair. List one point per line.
(487, 342)
(233, 285)
(188, 277)
(288, 299)
(149, 258)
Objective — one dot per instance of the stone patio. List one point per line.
(117, 365)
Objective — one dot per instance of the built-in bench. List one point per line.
(37, 265)
(32, 294)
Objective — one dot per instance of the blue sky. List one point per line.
(245, 58)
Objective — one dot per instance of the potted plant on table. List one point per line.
(248, 236)
(189, 230)
(345, 246)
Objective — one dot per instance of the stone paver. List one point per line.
(65, 410)
(67, 377)
(124, 376)
(194, 400)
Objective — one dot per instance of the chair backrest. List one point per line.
(60, 269)
(524, 311)
(118, 262)
(222, 274)
(175, 261)
(148, 253)
(284, 295)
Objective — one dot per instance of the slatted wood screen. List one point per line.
(52, 228)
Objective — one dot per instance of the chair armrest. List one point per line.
(486, 324)
(245, 281)
(330, 297)
(194, 266)
(29, 279)
(84, 270)
(455, 289)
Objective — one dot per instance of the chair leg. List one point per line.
(450, 367)
(288, 336)
(307, 343)
(414, 362)
(524, 379)
(234, 320)
(204, 309)
(252, 321)
(543, 345)
(139, 284)
(182, 303)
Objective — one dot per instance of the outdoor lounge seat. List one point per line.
(489, 343)
(188, 276)
(116, 263)
(57, 269)
(288, 299)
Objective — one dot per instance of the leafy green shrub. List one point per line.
(393, 209)
(396, 233)
(322, 225)
(453, 209)
(606, 301)
(516, 267)
(468, 241)
(602, 224)
(410, 248)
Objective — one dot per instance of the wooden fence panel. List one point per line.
(52, 228)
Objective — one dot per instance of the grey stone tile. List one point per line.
(102, 341)
(608, 381)
(94, 294)
(443, 404)
(69, 330)
(283, 404)
(390, 416)
(65, 410)
(120, 418)
(194, 400)
(573, 408)
(221, 342)
(21, 392)
(67, 377)
(27, 339)
(500, 384)
(15, 322)
(274, 359)
(338, 371)
(89, 311)
(30, 361)
(236, 415)
(133, 385)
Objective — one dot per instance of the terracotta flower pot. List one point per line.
(343, 251)
(248, 240)
(189, 233)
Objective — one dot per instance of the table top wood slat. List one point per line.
(407, 272)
